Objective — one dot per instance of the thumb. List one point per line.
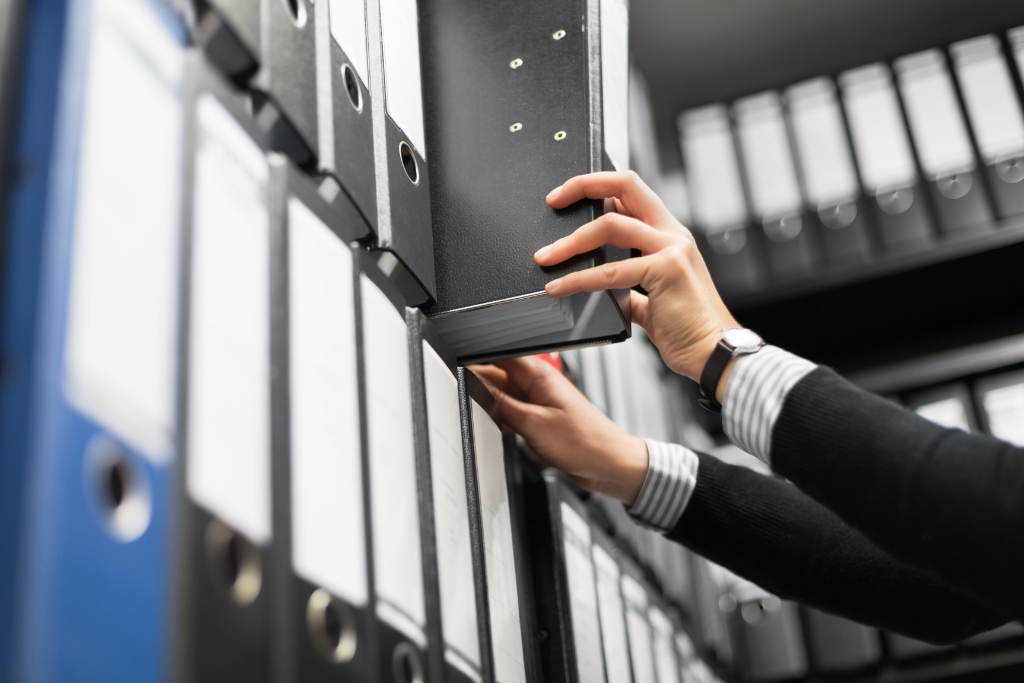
(639, 306)
(513, 412)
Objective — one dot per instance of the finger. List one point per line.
(635, 197)
(619, 208)
(617, 275)
(524, 373)
(638, 307)
(491, 374)
(611, 228)
(518, 415)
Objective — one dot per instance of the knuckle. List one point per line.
(634, 178)
(608, 273)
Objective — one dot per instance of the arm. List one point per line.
(759, 527)
(767, 531)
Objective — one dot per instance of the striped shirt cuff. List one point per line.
(671, 478)
(754, 396)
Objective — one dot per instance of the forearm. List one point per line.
(769, 532)
(937, 498)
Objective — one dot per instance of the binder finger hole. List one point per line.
(332, 627)
(296, 11)
(405, 665)
(119, 489)
(355, 95)
(409, 162)
(234, 564)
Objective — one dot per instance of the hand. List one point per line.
(682, 314)
(564, 429)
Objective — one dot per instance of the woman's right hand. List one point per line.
(683, 313)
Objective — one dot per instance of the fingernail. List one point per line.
(553, 192)
(542, 252)
(553, 284)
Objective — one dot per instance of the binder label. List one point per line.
(712, 168)
(774, 191)
(615, 81)
(639, 630)
(613, 624)
(451, 509)
(229, 346)
(121, 346)
(582, 596)
(348, 27)
(992, 104)
(400, 35)
(1004, 408)
(328, 532)
(828, 173)
(499, 556)
(398, 565)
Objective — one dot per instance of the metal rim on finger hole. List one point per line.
(558, 35)
(560, 135)
(515, 63)
(516, 127)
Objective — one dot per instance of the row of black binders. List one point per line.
(886, 159)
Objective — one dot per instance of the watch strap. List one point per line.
(712, 373)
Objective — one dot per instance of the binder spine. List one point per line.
(476, 528)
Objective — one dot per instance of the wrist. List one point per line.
(630, 473)
(723, 381)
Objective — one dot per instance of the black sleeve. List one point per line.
(766, 530)
(948, 502)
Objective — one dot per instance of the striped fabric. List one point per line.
(754, 396)
(671, 477)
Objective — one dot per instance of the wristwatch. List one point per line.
(735, 341)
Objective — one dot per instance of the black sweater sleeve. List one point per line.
(948, 502)
(769, 532)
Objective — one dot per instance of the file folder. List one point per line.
(90, 430)
(402, 177)
(666, 662)
(791, 247)
(733, 250)
(885, 158)
(285, 84)
(995, 115)
(712, 629)
(344, 103)
(767, 633)
(949, 406)
(830, 187)
(491, 516)
(565, 583)
(397, 520)
(902, 648)
(943, 143)
(1001, 406)
(611, 608)
(503, 141)
(451, 576)
(229, 33)
(838, 646)
(638, 624)
(323, 605)
(226, 554)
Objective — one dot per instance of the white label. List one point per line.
(328, 532)
(876, 123)
(451, 508)
(229, 344)
(774, 190)
(712, 168)
(613, 620)
(398, 565)
(582, 596)
(348, 27)
(499, 555)
(121, 343)
(936, 123)
(990, 97)
(949, 412)
(399, 30)
(823, 149)
(639, 629)
(1004, 408)
(664, 648)
(615, 81)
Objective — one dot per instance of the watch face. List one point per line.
(742, 339)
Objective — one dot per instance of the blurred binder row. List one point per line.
(880, 163)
